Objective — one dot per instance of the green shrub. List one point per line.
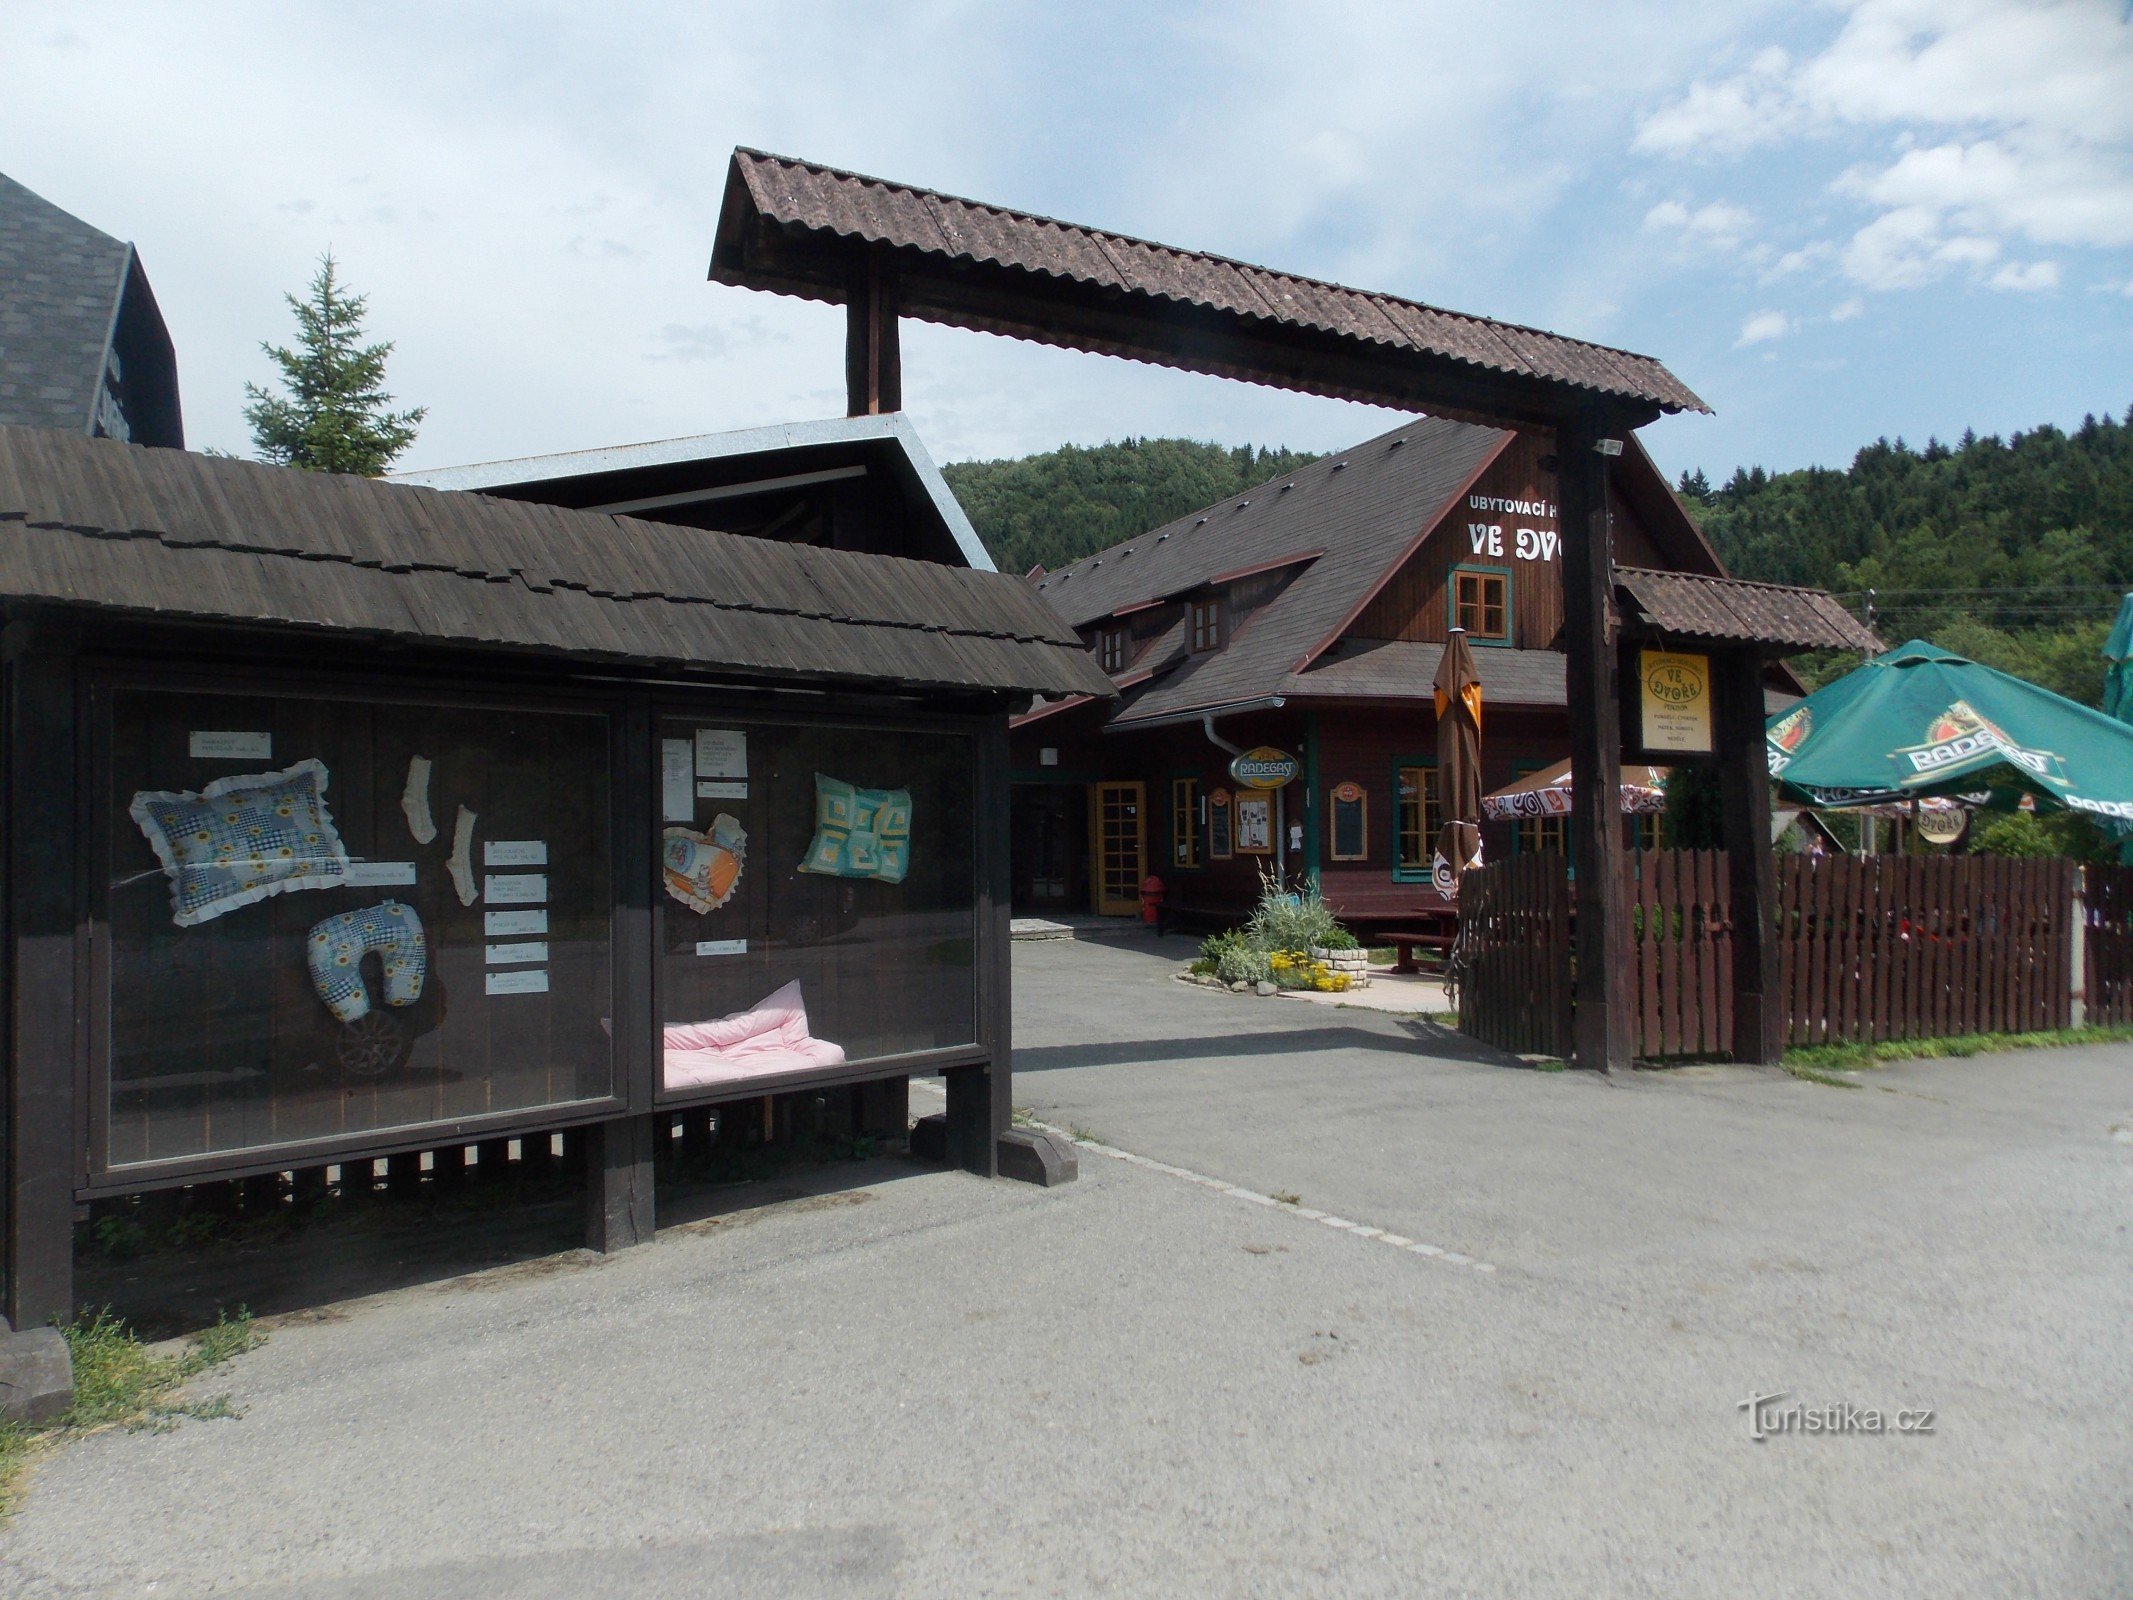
(1244, 963)
(1287, 919)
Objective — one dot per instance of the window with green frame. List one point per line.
(1480, 599)
(1418, 817)
(1185, 822)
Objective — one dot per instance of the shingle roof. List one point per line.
(60, 281)
(169, 534)
(797, 227)
(1361, 510)
(1734, 609)
(1398, 670)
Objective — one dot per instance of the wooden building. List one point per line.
(82, 343)
(1308, 616)
(348, 819)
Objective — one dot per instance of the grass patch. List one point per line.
(1817, 1062)
(121, 1382)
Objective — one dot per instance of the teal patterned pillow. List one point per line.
(241, 839)
(859, 833)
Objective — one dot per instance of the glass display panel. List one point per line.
(818, 897)
(328, 917)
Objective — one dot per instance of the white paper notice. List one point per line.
(676, 803)
(722, 947)
(378, 874)
(514, 955)
(498, 923)
(514, 853)
(514, 888)
(232, 746)
(721, 753)
(526, 980)
(724, 789)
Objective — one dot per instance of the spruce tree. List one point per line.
(334, 416)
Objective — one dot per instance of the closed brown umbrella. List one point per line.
(1458, 696)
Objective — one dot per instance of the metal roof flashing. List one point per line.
(890, 427)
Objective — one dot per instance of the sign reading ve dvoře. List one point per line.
(1674, 691)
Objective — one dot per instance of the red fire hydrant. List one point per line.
(1152, 902)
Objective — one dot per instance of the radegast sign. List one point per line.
(1959, 738)
(1264, 768)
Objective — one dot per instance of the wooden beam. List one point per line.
(873, 352)
(1602, 1031)
(1751, 865)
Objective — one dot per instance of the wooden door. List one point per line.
(1120, 832)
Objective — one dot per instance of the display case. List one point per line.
(817, 898)
(331, 916)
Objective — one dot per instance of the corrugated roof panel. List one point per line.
(809, 198)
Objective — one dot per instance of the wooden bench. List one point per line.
(1405, 943)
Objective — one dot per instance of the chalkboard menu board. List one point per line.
(1218, 835)
(1351, 822)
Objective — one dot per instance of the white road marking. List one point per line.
(1356, 1230)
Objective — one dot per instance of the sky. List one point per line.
(1835, 221)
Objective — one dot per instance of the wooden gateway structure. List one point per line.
(346, 820)
(886, 250)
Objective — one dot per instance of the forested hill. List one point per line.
(2012, 551)
(1057, 507)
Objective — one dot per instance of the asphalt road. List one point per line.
(1162, 1380)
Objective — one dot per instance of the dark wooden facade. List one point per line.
(1504, 520)
(144, 1053)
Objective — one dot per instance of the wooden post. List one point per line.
(981, 1099)
(41, 940)
(618, 1183)
(873, 351)
(1751, 865)
(1602, 1022)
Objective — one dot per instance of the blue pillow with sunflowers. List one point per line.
(241, 839)
(859, 833)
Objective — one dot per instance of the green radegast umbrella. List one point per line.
(2118, 668)
(1922, 721)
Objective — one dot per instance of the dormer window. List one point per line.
(1111, 651)
(1206, 626)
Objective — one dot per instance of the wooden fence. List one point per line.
(1514, 945)
(1681, 934)
(2107, 937)
(1885, 947)
(1908, 947)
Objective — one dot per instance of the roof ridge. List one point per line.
(918, 192)
(1323, 467)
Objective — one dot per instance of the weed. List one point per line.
(121, 1382)
(1286, 1198)
(1816, 1062)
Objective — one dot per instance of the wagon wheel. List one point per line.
(372, 1045)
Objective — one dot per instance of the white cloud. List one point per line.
(1909, 248)
(2010, 121)
(1763, 327)
(2027, 277)
(1848, 311)
(1720, 226)
(1752, 108)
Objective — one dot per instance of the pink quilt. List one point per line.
(770, 1037)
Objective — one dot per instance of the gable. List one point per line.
(1507, 522)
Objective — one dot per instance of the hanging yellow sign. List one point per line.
(1675, 696)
